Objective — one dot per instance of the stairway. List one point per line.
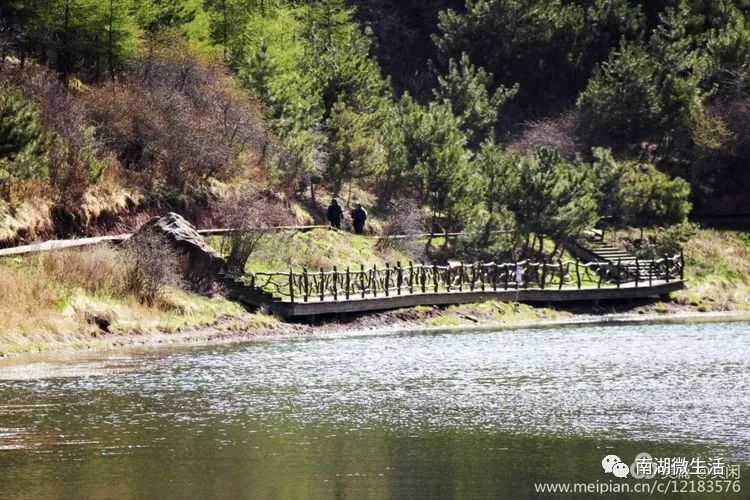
(598, 251)
(238, 290)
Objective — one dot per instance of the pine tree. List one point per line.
(435, 160)
(467, 89)
(21, 139)
(623, 97)
(553, 198)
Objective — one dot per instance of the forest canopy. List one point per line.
(538, 117)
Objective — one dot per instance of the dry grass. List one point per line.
(37, 292)
(73, 295)
(718, 271)
(27, 218)
(31, 213)
(97, 270)
(107, 196)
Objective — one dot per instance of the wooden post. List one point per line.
(348, 282)
(578, 273)
(494, 276)
(666, 266)
(411, 277)
(435, 276)
(507, 275)
(637, 271)
(515, 274)
(399, 277)
(362, 280)
(618, 270)
(424, 279)
(387, 278)
(482, 275)
(650, 270)
(562, 278)
(374, 280)
(448, 278)
(322, 284)
(473, 275)
(460, 276)
(682, 265)
(291, 286)
(335, 284)
(305, 283)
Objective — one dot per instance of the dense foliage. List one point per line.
(531, 119)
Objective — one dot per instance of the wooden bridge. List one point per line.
(309, 293)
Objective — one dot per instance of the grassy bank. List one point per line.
(718, 272)
(80, 298)
(323, 248)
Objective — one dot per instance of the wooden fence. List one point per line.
(374, 282)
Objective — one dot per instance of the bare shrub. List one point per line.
(151, 267)
(561, 133)
(176, 119)
(405, 217)
(74, 156)
(736, 113)
(250, 215)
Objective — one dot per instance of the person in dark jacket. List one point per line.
(335, 214)
(359, 216)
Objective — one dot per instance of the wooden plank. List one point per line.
(53, 245)
(301, 229)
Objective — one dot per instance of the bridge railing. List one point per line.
(374, 282)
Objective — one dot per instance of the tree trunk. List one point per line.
(526, 245)
(432, 233)
(337, 187)
(64, 56)
(554, 250)
(110, 49)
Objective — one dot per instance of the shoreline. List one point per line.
(212, 335)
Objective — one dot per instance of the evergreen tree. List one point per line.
(651, 198)
(435, 160)
(622, 98)
(355, 152)
(21, 140)
(466, 88)
(553, 198)
(160, 14)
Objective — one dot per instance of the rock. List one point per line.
(200, 263)
(102, 322)
(95, 313)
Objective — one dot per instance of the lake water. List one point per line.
(441, 415)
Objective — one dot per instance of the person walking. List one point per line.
(359, 216)
(335, 214)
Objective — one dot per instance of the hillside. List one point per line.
(394, 98)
